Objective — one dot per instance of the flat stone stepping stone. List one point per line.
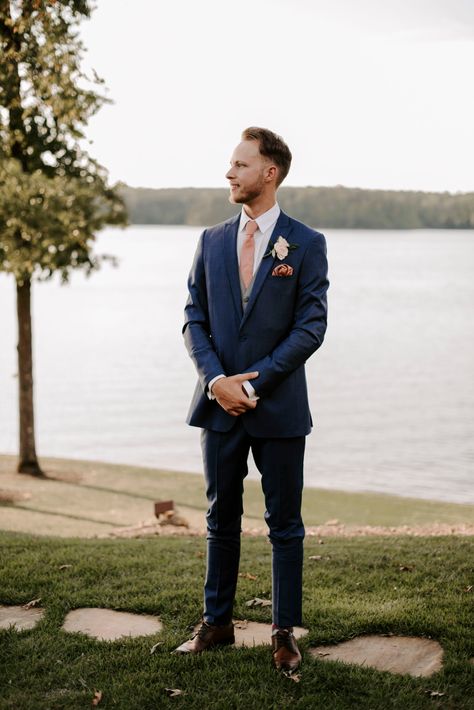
(19, 617)
(253, 633)
(110, 625)
(418, 657)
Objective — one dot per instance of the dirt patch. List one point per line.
(65, 476)
(340, 530)
(13, 496)
(155, 528)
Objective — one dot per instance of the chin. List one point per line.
(236, 199)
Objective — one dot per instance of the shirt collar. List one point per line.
(264, 221)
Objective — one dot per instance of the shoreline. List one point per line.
(195, 474)
(80, 498)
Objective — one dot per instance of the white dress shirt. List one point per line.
(266, 224)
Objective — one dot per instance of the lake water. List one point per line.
(391, 388)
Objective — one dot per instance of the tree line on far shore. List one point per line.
(336, 207)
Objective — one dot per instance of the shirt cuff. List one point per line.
(250, 391)
(209, 386)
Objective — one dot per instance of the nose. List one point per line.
(229, 174)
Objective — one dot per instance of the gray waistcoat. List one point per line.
(245, 292)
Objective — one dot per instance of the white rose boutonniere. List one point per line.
(280, 249)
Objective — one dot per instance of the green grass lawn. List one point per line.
(357, 588)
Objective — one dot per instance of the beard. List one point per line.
(243, 195)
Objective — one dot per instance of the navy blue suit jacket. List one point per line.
(283, 324)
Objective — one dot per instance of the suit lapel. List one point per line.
(282, 229)
(231, 262)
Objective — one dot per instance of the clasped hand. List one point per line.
(230, 395)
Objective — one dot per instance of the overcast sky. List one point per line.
(373, 93)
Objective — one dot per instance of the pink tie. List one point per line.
(247, 253)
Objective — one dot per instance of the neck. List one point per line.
(259, 205)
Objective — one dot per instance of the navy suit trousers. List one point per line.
(280, 462)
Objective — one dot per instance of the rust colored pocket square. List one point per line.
(283, 270)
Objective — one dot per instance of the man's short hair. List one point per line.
(271, 146)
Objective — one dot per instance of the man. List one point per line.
(256, 312)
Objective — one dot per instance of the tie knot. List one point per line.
(250, 228)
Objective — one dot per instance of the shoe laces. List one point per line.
(203, 630)
(286, 638)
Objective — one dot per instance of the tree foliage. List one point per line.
(46, 224)
(54, 196)
(336, 207)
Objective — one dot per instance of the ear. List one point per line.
(271, 173)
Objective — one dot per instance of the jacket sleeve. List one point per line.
(196, 329)
(309, 324)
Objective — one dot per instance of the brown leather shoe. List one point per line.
(286, 654)
(206, 637)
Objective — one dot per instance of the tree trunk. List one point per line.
(28, 462)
